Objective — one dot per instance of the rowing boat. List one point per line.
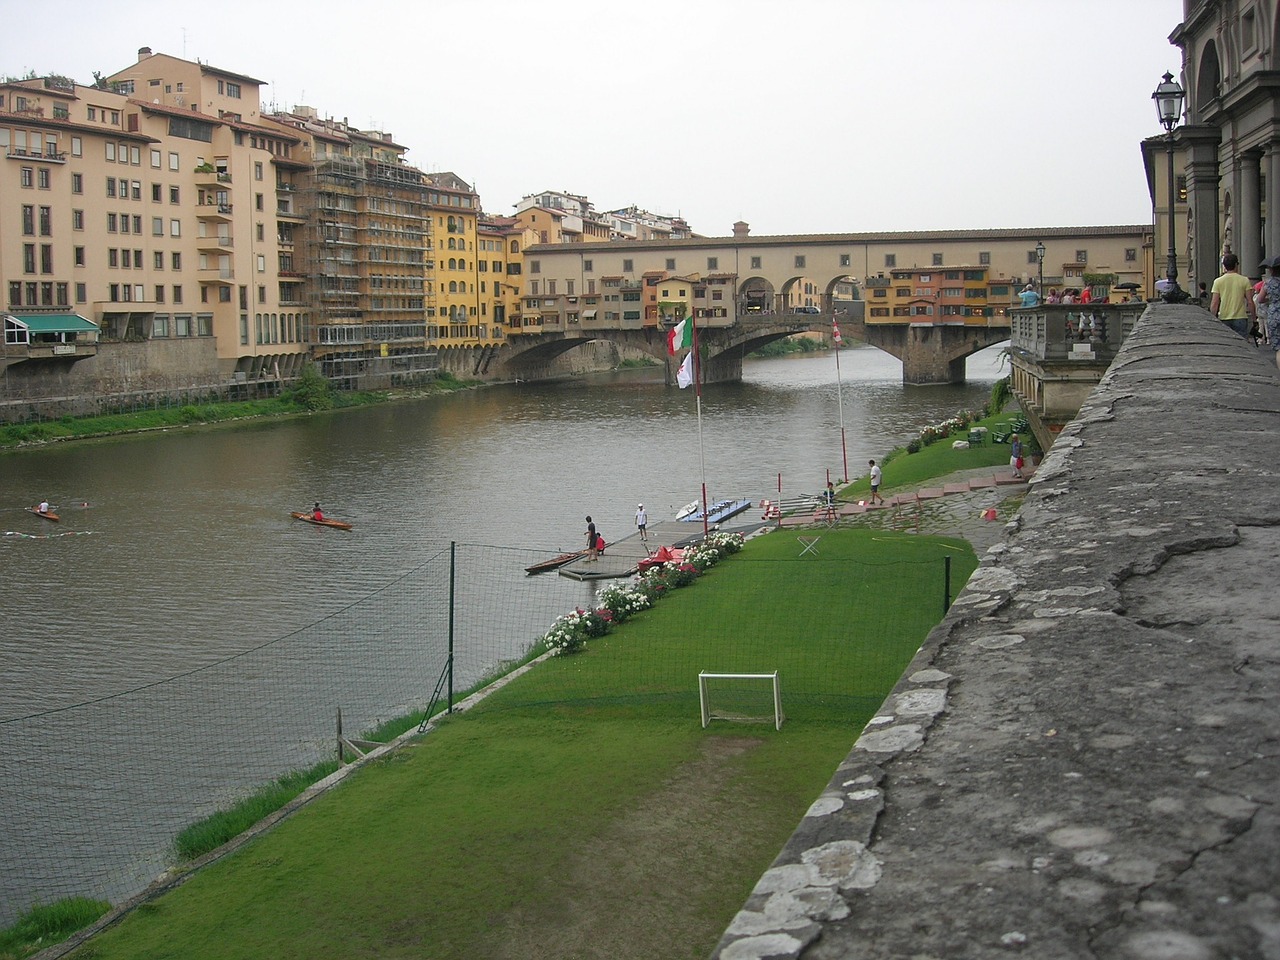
(326, 522)
(555, 562)
(47, 514)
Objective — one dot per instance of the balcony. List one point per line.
(212, 178)
(215, 243)
(286, 211)
(211, 210)
(215, 274)
(19, 153)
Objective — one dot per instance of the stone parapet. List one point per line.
(1082, 760)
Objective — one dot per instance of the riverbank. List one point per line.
(299, 402)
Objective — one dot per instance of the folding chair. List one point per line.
(810, 544)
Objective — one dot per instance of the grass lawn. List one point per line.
(904, 470)
(582, 811)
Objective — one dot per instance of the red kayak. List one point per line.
(326, 522)
(48, 515)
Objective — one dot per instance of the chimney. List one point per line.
(741, 229)
(143, 53)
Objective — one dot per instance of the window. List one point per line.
(890, 260)
(135, 189)
(175, 228)
(82, 292)
(1130, 254)
(28, 220)
(844, 260)
(46, 258)
(984, 258)
(137, 223)
(28, 176)
(182, 324)
(111, 187)
(77, 219)
(257, 201)
(110, 147)
(628, 266)
(937, 259)
(111, 223)
(160, 323)
(262, 263)
(174, 195)
(535, 266)
(755, 263)
(233, 90)
(257, 169)
(586, 266)
(77, 255)
(175, 261)
(1082, 256)
(713, 263)
(42, 178)
(173, 160)
(671, 264)
(262, 294)
(155, 159)
(126, 258)
(177, 293)
(1031, 257)
(157, 259)
(46, 220)
(799, 262)
(113, 257)
(77, 147)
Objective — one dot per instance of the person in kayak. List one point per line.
(316, 513)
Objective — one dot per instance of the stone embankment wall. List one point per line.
(1083, 761)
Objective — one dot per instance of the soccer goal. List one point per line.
(745, 697)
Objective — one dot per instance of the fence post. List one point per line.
(946, 584)
(453, 578)
(340, 756)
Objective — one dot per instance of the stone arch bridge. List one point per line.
(930, 352)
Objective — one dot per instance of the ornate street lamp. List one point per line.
(1040, 262)
(1168, 97)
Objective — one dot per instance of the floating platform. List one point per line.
(719, 511)
(622, 558)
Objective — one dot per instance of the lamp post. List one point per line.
(1168, 97)
(1040, 267)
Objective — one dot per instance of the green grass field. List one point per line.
(582, 811)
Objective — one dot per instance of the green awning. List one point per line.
(55, 323)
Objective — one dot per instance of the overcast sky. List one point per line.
(797, 116)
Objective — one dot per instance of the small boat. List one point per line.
(47, 514)
(326, 522)
(720, 511)
(690, 507)
(555, 562)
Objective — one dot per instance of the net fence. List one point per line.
(96, 791)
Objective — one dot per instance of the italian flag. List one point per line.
(680, 337)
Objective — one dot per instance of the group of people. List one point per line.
(1251, 309)
(1070, 295)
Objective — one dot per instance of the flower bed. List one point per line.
(620, 602)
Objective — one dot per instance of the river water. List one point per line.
(176, 552)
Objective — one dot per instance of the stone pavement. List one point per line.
(1083, 760)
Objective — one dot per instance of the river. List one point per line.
(177, 552)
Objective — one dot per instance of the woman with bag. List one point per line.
(1015, 456)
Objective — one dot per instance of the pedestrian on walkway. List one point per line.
(642, 521)
(1015, 456)
(593, 550)
(875, 483)
(1232, 300)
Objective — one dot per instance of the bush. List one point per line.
(189, 414)
(311, 390)
(913, 446)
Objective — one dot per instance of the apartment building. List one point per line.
(212, 191)
(946, 294)
(498, 261)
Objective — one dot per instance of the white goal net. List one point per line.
(744, 697)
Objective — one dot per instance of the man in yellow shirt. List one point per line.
(1232, 300)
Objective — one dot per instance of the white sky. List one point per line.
(798, 116)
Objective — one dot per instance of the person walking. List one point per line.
(875, 483)
(593, 551)
(1232, 299)
(1015, 456)
(642, 521)
(1269, 300)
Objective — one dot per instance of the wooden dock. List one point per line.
(622, 557)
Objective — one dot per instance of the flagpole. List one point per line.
(844, 450)
(697, 391)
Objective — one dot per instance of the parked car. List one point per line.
(808, 310)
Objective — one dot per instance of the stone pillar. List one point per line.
(1271, 238)
(1247, 213)
(1202, 202)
